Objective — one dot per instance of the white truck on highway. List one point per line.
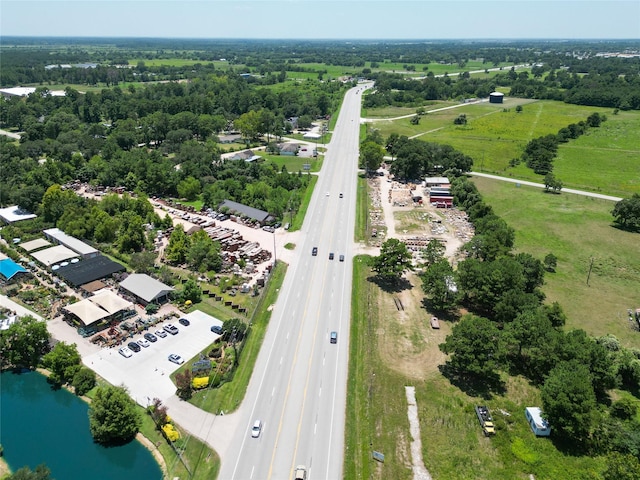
(301, 473)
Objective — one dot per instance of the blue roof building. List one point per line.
(9, 269)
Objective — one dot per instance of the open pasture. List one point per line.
(577, 230)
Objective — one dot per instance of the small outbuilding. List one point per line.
(539, 425)
(496, 97)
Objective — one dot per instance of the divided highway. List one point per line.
(298, 389)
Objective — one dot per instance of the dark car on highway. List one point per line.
(314, 251)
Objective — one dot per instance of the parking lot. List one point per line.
(146, 373)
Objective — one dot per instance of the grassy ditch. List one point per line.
(362, 209)
(229, 396)
(391, 349)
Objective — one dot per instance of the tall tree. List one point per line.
(113, 416)
(569, 401)
(63, 361)
(475, 346)
(438, 284)
(393, 261)
(371, 155)
(626, 213)
(24, 343)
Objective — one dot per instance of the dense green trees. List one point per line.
(475, 347)
(626, 212)
(41, 472)
(393, 261)
(63, 361)
(416, 159)
(569, 401)
(113, 416)
(371, 156)
(24, 343)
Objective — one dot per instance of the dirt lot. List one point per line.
(408, 343)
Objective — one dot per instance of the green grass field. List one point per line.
(575, 229)
(453, 446)
(606, 159)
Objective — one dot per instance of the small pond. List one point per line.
(41, 425)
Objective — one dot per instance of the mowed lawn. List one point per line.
(577, 230)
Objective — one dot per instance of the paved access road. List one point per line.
(541, 185)
(298, 389)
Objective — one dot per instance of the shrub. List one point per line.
(200, 382)
(83, 381)
(170, 432)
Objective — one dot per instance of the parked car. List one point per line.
(134, 347)
(125, 352)
(160, 333)
(172, 329)
(256, 429)
(151, 337)
(435, 324)
(216, 329)
(184, 321)
(333, 338)
(177, 359)
(143, 343)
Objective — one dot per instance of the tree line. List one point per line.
(510, 328)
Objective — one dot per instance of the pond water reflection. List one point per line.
(41, 425)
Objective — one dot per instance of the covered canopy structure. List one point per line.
(52, 255)
(104, 305)
(87, 312)
(146, 289)
(89, 270)
(34, 244)
(110, 301)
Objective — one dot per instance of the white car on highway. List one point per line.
(256, 429)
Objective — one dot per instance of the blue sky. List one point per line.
(324, 19)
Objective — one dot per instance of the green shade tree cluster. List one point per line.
(113, 416)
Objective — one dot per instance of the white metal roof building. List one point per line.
(146, 289)
(52, 255)
(14, 214)
(58, 236)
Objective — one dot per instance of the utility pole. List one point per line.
(589, 274)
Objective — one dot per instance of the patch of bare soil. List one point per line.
(407, 342)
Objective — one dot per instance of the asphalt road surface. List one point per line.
(298, 389)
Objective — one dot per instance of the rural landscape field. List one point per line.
(127, 146)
